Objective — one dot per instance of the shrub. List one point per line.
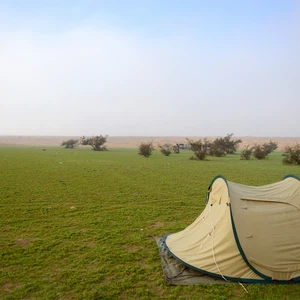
(96, 142)
(146, 149)
(222, 146)
(165, 149)
(69, 144)
(262, 151)
(217, 148)
(270, 147)
(292, 155)
(200, 148)
(231, 146)
(246, 153)
(259, 151)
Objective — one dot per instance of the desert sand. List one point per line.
(134, 141)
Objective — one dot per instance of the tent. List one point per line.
(245, 233)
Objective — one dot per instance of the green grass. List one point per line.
(79, 224)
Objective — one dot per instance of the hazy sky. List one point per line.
(156, 67)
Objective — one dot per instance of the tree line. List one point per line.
(201, 148)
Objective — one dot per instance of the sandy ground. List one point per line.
(134, 141)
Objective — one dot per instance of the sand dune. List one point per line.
(134, 141)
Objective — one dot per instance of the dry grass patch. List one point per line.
(23, 242)
(10, 286)
(133, 248)
(158, 224)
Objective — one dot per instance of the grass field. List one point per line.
(79, 224)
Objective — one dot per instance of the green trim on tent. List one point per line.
(291, 176)
(236, 236)
(212, 182)
(244, 280)
(266, 279)
(242, 251)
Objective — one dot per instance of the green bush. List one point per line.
(222, 146)
(246, 153)
(259, 152)
(270, 147)
(96, 142)
(146, 149)
(292, 155)
(165, 149)
(217, 148)
(200, 148)
(262, 151)
(69, 144)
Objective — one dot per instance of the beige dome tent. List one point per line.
(245, 233)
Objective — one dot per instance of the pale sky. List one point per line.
(156, 67)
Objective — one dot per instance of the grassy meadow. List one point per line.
(79, 224)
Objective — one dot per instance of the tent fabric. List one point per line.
(267, 222)
(245, 233)
(177, 273)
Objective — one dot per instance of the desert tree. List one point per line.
(217, 148)
(146, 149)
(270, 147)
(246, 153)
(225, 145)
(200, 148)
(96, 142)
(231, 146)
(262, 151)
(70, 144)
(292, 155)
